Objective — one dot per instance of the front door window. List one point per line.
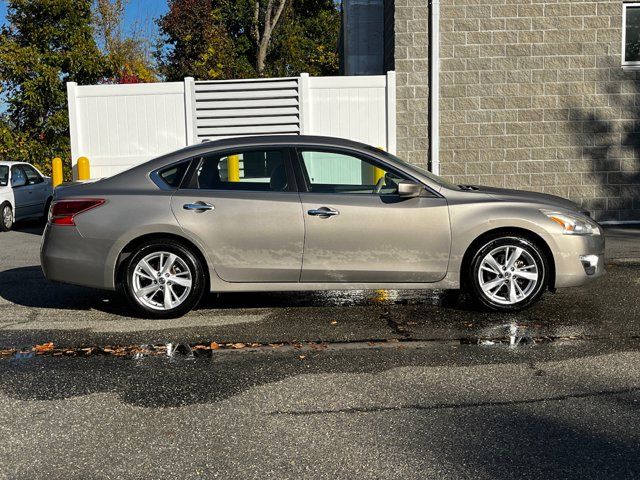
(333, 172)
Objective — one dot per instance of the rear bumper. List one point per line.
(68, 257)
(578, 259)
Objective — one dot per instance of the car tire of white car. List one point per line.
(6, 217)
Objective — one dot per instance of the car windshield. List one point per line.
(426, 173)
(4, 175)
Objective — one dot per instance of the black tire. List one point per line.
(189, 259)
(6, 225)
(47, 206)
(533, 255)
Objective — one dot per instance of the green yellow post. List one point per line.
(233, 168)
(83, 169)
(56, 171)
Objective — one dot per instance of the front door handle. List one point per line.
(323, 212)
(198, 206)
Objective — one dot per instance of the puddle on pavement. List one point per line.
(509, 334)
(338, 298)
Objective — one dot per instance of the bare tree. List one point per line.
(272, 14)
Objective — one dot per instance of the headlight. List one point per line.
(573, 224)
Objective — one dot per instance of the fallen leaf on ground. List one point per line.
(215, 346)
(334, 323)
(45, 347)
(238, 345)
(302, 357)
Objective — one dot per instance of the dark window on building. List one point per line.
(631, 34)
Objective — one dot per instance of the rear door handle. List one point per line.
(323, 212)
(198, 206)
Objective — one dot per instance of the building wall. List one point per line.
(411, 52)
(532, 97)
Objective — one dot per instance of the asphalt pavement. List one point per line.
(319, 385)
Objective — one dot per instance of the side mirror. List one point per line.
(408, 189)
(18, 182)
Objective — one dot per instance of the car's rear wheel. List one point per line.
(508, 273)
(47, 207)
(163, 279)
(6, 217)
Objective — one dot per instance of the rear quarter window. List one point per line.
(174, 174)
(4, 175)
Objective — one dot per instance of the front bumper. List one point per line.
(68, 257)
(578, 259)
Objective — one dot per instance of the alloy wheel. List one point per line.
(508, 274)
(161, 281)
(7, 217)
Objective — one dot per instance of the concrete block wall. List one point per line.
(532, 97)
(411, 58)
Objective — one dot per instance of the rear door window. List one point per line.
(258, 170)
(18, 178)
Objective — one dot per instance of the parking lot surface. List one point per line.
(319, 385)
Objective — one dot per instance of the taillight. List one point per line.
(63, 212)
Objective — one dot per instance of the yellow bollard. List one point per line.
(56, 171)
(83, 169)
(378, 173)
(233, 168)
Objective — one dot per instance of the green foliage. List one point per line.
(309, 40)
(47, 43)
(50, 42)
(209, 39)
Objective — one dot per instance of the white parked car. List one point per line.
(24, 193)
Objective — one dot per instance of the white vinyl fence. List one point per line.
(120, 126)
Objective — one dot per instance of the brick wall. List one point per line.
(533, 97)
(411, 52)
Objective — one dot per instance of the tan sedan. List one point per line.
(310, 213)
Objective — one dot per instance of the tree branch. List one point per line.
(256, 19)
(281, 6)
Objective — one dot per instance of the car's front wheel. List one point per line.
(6, 217)
(163, 279)
(508, 273)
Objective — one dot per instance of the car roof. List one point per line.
(290, 140)
(9, 163)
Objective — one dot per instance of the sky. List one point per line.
(139, 18)
(139, 13)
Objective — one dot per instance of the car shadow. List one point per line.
(27, 287)
(32, 227)
(18, 285)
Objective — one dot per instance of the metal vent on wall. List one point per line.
(229, 108)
